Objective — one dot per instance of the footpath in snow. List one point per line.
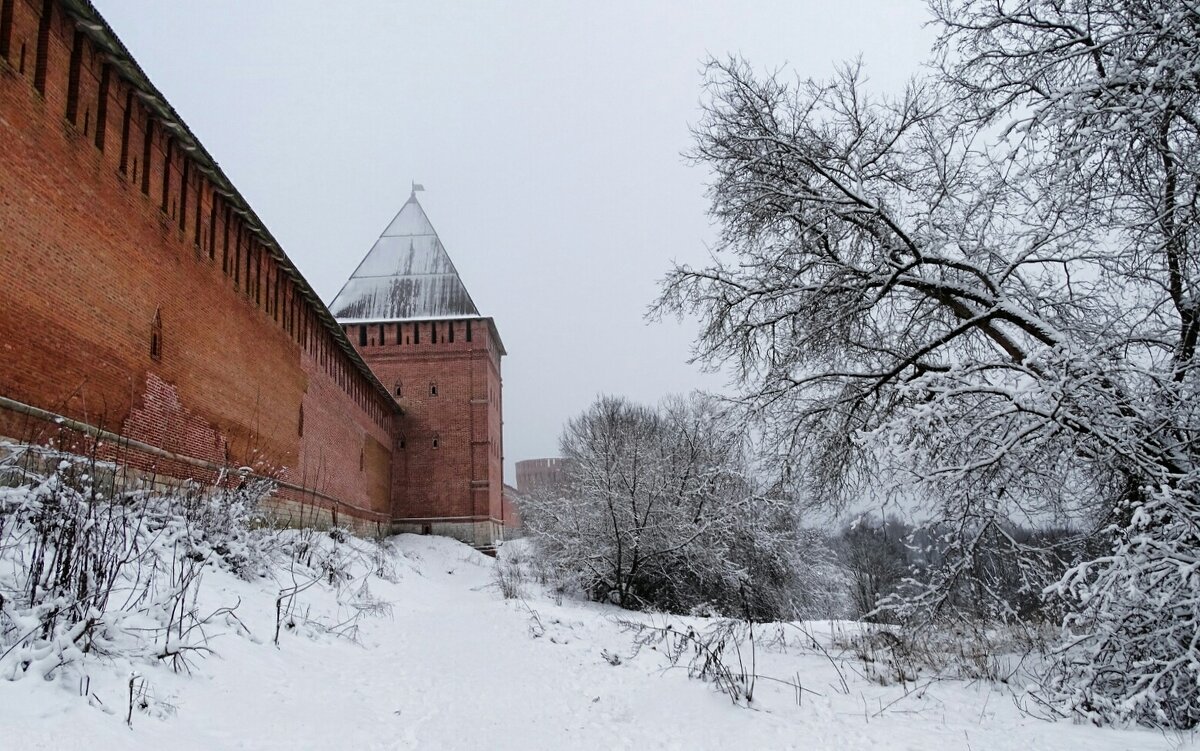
(457, 666)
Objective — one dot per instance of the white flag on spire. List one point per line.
(417, 186)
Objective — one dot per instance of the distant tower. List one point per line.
(406, 310)
(535, 474)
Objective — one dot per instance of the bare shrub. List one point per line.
(337, 560)
(509, 575)
(714, 654)
(1002, 655)
(88, 555)
(723, 652)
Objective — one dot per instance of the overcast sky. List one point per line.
(548, 136)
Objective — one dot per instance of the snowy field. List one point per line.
(455, 665)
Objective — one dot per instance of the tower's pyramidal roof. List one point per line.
(407, 274)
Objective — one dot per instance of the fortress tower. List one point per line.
(411, 319)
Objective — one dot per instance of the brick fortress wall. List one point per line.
(142, 295)
(446, 376)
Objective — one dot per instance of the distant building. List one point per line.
(533, 474)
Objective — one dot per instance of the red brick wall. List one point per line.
(463, 475)
(94, 248)
(512, 515)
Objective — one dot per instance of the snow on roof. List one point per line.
(407, 274)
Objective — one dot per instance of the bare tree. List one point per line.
(984, 290)
(657, 510)
(874, 554)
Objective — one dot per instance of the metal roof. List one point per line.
(407, 274)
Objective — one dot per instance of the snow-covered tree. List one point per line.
(657, 510)
(982, 292)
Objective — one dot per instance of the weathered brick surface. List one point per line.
(97, 252)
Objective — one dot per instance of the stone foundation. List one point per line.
(482, 533)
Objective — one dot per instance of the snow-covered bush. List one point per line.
(1132, 646)
(91, 562)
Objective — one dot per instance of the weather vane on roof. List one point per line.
(415, 187)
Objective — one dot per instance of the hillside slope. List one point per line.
(457, 666)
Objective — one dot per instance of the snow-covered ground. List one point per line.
(457, 666)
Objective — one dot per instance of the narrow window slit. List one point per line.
(147, 144)
(43, 48)
(156, 336)
(73, 77)
(125, 117)
(102, 105)
(6, 19)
